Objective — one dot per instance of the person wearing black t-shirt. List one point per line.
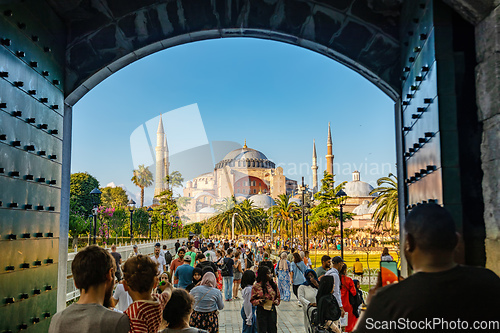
(441, 295)
(266, 262)
(227, 275)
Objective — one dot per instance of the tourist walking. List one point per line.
(237, 274)
(298, 268)
(248, 310)
(208, 301)
(266, 296)
(93, 274)
(177, 313)
(145, 313)
(184, 273)
(118, 261)
(328, 307)
(307, 295)
(197, 275)
(266, 262)
(385, 255)
(177, 246)
(283, 273)
(347, 288)
(326, 262)
(227, 275)
(135, 251)
(175, 264)
(307, 260)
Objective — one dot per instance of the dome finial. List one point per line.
(245, 145)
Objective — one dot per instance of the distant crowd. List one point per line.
(184, 290)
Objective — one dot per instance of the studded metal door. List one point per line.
(440, 139)
(31, 118)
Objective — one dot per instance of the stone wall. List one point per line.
(488, 101)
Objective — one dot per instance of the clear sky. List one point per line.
(217, 93)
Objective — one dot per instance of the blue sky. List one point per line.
(278, 97)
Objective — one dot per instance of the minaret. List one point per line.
(314, 168)
(329, 152)
(161, 159)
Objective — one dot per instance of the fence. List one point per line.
(145, 248)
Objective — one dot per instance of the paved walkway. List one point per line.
(290, 317)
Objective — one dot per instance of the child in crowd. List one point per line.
(145, 313)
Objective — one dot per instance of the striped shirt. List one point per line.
(145, 316)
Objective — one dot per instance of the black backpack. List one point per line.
(168, 257)
(249, 260)
(224, 269)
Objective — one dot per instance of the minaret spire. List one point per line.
(314, 168)
(161, 159)
(329, 152)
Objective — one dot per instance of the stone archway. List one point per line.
(55, 51)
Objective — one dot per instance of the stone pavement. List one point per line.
(290, 317)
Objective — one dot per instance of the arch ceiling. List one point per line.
(106, 35)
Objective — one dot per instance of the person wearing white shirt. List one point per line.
(210, 253)
(307, 295)
(160, 260)
(248, 310)
(121, 298)
(337, 263)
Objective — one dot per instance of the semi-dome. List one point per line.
(262, 201)
(362, 209)
(357, 188)
(207, 210)
(296, 200)
(245, 158)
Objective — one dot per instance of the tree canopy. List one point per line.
(113, 197)
(81, 184)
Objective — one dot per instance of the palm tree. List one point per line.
(285, 212)
(173, 180)
(142, 178)
(387, 201)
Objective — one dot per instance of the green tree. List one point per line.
(78, 223)
(325, 214)
(81, 184)
(174, 180)
(140, 222)
(387, 202)
(142, 178)
(285, 213)
(113, 197)
(118, 221)
(244, 221)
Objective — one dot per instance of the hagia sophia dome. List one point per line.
(245, 158)
(357, 188)
(262, 201)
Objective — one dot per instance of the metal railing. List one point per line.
(146, 248)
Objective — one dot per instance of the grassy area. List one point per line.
(350, 258)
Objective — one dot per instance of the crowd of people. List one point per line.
(185, 290)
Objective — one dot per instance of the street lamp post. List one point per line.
(343, 198)
(232, 226)
(131, 207)
(149, 210)
(162, 223)
(95, 195)
(177, 218)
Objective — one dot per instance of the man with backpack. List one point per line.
(168, 255)
(227, 275)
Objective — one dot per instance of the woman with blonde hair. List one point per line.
(283, 273)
